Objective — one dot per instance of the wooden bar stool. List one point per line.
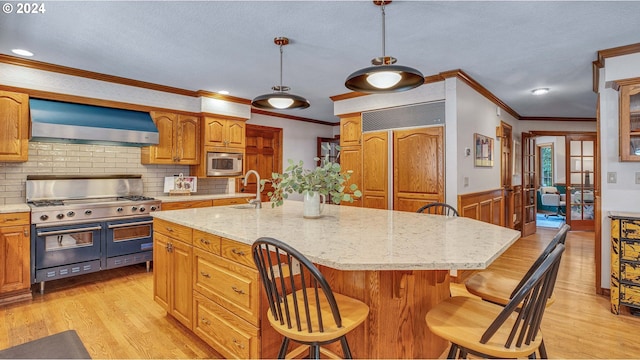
(499, 288)
(481, 328)
(302, 306)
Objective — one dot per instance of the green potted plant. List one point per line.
(326, 180)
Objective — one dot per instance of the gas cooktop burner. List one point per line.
(135, 198)
(39, 203)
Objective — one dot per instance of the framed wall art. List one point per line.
(484, 151)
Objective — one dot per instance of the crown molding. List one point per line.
(292, 117)
(551, 118)
(39, 65)
(599, 63)
(229, 98)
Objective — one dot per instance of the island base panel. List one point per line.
(398, 303)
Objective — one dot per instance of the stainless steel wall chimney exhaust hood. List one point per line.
(87, 124)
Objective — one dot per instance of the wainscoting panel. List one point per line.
(487, 206)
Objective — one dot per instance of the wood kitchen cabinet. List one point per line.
(172, 270)
(625, 260)
(14, 127)
(375, 170)
(224, 132)
(15, 255)
(351, 152)
(629, 119)
(179, 141)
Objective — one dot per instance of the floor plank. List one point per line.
(115, 316)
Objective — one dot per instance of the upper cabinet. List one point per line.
(221, 132)
(179, 140)
(630, 120)
(351, 130)
(14, 126)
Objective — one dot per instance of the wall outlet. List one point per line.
(612, 177)
(465, 180)
(467, 152)
(637, 177)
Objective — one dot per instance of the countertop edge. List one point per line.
(14, 208)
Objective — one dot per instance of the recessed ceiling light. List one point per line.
(22, 52)
(540, 91)
(223, 92)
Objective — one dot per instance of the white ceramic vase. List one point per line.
(313, 204)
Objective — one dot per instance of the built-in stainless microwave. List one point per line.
(224, 164)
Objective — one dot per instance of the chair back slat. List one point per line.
(295, 289)
(529, 303)
(438, 208)
(559, 238)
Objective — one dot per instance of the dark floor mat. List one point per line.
(64, 345)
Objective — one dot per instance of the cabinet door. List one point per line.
(375, 170)
(161, 271)
(418, 167)
(181, 282)
(630, 122)
(188, 140)
(214, 132)
(236, 133)
(14, 126)
(351, 159)
(164, 152)
(14, 258)
(350, 130)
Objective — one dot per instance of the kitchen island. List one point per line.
(396, 262)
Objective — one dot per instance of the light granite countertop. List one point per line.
(14, 208)
(352, 238)
(167, 198)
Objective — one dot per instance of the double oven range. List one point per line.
(83, 224)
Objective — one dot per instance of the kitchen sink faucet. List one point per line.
(256, 202)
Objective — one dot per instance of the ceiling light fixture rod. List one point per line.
(280, 66)
(384, 32)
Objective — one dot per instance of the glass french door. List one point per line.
(581, 154)
(529, 200)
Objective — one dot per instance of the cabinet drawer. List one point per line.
(630, 295)
(206, 241)
(233, 286)
(229, 335)
(238, 252)
(178, 205)
(175, 231)
(230, 201)
(629, 250)
(10, 219)
(630, 229)
(630, 272)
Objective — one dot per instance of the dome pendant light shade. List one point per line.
(384, 76)
(280, 99)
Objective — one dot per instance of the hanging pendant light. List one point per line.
(280, 99)
(384, 76)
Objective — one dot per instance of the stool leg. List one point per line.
(314, 351)
(345, 347)
(283, 348)
(453, 350)
(543, 350)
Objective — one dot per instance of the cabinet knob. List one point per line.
(205, 241)
(204, 274)
(238, 344)
(26, 232)
(205, 321)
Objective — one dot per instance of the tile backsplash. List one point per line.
(77, 159)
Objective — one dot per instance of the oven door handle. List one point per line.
(130, 224)
(69, 231)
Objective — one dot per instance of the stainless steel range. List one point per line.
(83, 224)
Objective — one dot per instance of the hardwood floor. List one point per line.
(112, 311)
(115, 316)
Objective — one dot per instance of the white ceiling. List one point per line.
(509, 47)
